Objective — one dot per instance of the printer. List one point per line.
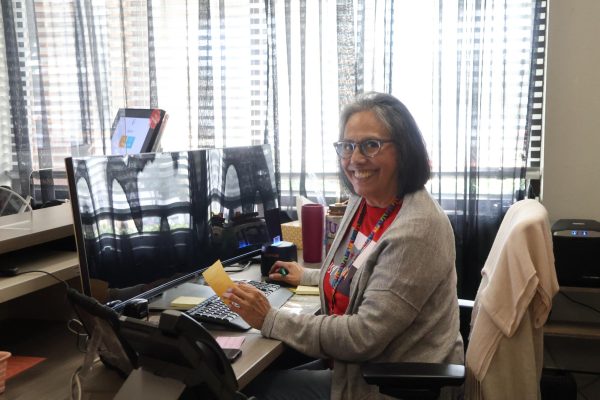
(576, 244)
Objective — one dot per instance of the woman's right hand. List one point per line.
(294, 272)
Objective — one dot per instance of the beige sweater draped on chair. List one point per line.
(505, 353)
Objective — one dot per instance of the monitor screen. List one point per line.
(143, 221)
(137, 130)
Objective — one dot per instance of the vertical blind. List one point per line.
(247, 72)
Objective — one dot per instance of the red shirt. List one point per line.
(372, 216)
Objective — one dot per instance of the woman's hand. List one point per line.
(292, 275)
(249, 303)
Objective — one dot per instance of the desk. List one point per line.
(51, 339)
(258, 352)
(52, 378)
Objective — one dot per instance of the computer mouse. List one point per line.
(280, 283)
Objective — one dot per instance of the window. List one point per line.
(218, 71)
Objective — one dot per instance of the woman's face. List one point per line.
(374, 178)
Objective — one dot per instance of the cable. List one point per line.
(76, 383)
(580, 303)
(82, 336)
(47, 273)
(237, 267)
(76, 378)
(80, 345)
(76, 332)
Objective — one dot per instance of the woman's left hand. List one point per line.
(249, 302)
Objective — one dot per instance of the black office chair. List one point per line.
(421, 381)
(522, 248)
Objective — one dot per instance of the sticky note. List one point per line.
(217, 279)
(186, 302)
(310, 290)
(230, 342)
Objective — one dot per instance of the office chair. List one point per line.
(505, 344)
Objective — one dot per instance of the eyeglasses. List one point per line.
(368, 148)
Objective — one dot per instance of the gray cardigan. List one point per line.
(403, 303)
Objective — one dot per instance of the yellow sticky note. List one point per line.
(217, 278)
(186, 302)
(310, 290)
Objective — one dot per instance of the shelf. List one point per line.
(48, 224)
(578, 330)
(575, 289)
(63, 264)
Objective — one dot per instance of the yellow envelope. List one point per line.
(217, 279)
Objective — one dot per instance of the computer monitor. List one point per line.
(145, 222)
(137, 130)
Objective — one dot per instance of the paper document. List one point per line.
(217, 279)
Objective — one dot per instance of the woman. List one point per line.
(388, 284)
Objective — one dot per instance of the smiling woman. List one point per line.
(388, 283)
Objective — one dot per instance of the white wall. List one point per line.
(571, 157)
(571, 151)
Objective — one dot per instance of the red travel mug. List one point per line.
(313, 216)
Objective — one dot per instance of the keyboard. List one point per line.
(213, 313)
